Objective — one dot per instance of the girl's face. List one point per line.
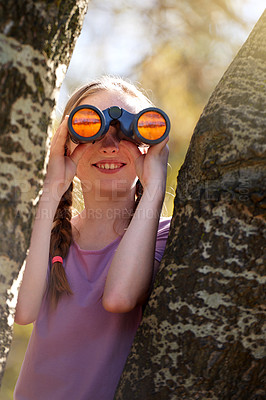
(107, 167)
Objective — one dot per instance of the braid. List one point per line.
(61, 238)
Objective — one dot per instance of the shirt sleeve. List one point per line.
(162, 235)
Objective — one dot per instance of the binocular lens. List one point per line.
(86, 122)
(151, 125)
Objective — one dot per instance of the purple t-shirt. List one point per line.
(79, 350)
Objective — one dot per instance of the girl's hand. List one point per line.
(61, 168)
(151, 167)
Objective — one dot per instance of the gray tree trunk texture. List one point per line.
(36, 42)
(202, 332)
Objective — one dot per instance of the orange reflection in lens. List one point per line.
(86, 122)
(151, 125)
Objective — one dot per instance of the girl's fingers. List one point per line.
(78, 152)
(157, 148)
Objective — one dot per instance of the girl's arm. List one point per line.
(130, 275)
(61, 171)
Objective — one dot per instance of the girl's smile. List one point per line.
(109, 166)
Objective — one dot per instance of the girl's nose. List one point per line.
(110, 142)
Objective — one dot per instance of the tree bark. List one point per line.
(202, 333)
(36, 42)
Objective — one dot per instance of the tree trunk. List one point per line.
(36, 42)
(202, 332)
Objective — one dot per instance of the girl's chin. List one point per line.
(107, 187)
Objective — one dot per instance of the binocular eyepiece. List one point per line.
(88, 123)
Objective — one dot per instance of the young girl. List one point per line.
(87, 277)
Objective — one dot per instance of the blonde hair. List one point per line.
(61, 234)
(106, 83)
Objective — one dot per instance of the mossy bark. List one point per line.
(202, 333)
(36, 42)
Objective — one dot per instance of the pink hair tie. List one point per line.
(57, 259)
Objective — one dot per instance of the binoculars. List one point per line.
(87, 123)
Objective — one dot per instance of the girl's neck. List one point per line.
(102, 220)
(108, 203)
